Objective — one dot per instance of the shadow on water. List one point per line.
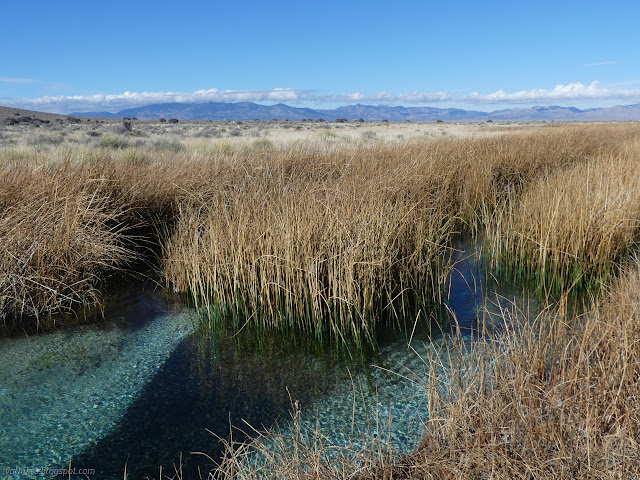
(195, 391)
(64, 390)
(131, 305)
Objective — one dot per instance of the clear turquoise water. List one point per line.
(140, 390)
(62, 392)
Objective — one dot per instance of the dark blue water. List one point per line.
(466, 290)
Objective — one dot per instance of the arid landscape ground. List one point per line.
(27, 127)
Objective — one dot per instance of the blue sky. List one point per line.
(91, 56)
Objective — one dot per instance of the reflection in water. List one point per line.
(476, 301)
(465, 289)
(195, 391)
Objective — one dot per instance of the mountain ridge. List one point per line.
(281, 111)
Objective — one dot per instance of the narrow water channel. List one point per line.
(139, 389)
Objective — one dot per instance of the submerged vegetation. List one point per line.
(335, 235)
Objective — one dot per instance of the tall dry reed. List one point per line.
(479, 173)
(58, 235)
(72, 217)
(572, 226)
(560, 400)
(324, 240)
(371, 219)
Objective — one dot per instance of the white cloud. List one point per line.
(385, 97)
(572, 92)
(121, 101)
(598, 64)
(17, 80)
(560, 93)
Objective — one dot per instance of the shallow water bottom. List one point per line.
(63, 391)
(142, 390)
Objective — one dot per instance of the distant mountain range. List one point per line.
(251, 111)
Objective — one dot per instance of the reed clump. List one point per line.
(484, 171)
(560, 400)
(329, 241)
(573, 227)
(59, 235)
(73, 217)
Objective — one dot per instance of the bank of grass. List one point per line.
(554, 396)
(326, 241)
(334, 239)
(559, 401)
(572, 228)
(331, 236)
(58, 233)
(71, 219)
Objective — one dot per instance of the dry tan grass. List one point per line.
(550, 397)
(71, 218)
(332, 232)
(559, 401)
(324, 240)
(315, 235)
(572, 226)
(58, 237)
(377, 206)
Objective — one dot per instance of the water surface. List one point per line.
(141, 389)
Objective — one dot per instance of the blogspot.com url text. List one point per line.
(48, 471)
